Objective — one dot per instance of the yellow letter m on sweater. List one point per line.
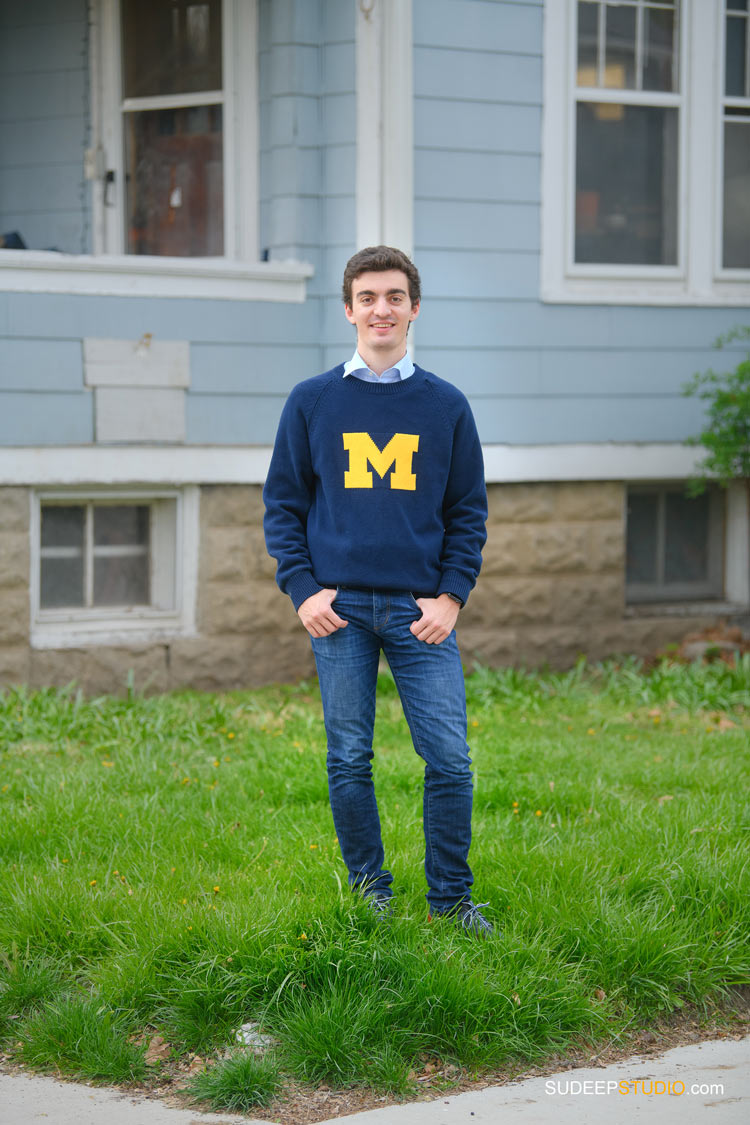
(398, 455)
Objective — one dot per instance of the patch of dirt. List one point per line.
(718, 642)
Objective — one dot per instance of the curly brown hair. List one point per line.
(378, 259)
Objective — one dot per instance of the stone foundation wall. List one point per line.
(551, 589)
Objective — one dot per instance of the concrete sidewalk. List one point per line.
(682, 1086)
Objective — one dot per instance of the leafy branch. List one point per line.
(726, 436)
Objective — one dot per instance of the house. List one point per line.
(181, 184)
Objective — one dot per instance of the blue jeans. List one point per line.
(430, 683)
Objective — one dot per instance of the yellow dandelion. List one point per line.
(66, 861)
(115, 872)
(92, 882)
(515, 811)
(173, 869)
(6, 788)
(227, 758)
(231, 734)
(313, 847)
(184, 902)
(475, 722)
(186, 781)
(302, 937)
(216, 890)
(190, 927)
(515, 804)
(216, 763)
(591, 731)
(538, 812)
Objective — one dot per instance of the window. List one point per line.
(173, 123)
(172, 160)
(628, 107)
(736, 136)
(675, 543)
(112, 567)
(647, 132)
(174, 174)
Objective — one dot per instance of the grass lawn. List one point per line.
(169, 867)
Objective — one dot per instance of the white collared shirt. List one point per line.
(357, 367)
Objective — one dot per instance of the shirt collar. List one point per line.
(405, 366)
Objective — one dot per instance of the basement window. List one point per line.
(675, 544)
(112, 567)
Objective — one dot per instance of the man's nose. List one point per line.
(381, 305)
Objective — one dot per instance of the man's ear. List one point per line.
(349, 313)
(414, 311)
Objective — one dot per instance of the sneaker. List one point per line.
(380, 905)
(468, 916)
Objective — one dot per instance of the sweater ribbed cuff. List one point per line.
(456, 583)
(302, 586)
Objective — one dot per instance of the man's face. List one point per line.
(381, 310)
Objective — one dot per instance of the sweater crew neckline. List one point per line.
(362, 386)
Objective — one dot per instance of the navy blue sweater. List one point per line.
(376, 485)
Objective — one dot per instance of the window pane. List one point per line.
(61, 582)
(619, 67)
(175, 182)
(737, 5)
(686, 538)
(121, 581)
(736, 240)
(659, 71)
(588, 25)
(641, 550)
(121, 524)
(170, 47)
(626, 184)
(736, 58)
(62, 527)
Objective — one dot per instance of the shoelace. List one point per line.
(472, 910)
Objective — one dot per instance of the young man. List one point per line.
(375, 512)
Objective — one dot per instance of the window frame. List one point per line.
(108, 271)
(714, 588)
(73, 626)
(696, 280)
(239, 101)
(725, 101)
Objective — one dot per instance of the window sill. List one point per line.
(45, 271)
(704, 608)
(611, 291)
(140, 628)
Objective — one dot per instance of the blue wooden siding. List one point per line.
(43, 123)
(535, 373)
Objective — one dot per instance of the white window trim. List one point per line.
(698, 282)
(72, 628)
(107, 275)
(239, 275)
